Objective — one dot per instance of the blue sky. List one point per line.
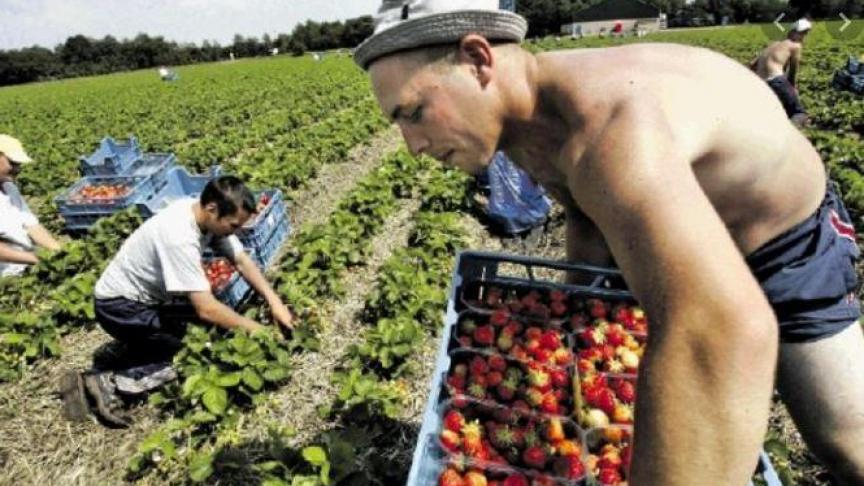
(50, 22)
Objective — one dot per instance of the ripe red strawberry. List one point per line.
(515, 479)
(578, 321)
(560, 379)
(459, 400)
(612, 460)
(556, 295)
(514, 328)
(506, 390)
(543, 355)
(534, 457)
(592, 337)
(557, 309)
(550, 340)
(497, 362)
(484, 335)
(451, 477)
(596, 308)
(568, 447)
(562, 356)
(609, 477)
(519, 353)
(623, 414)
(585, 366)
(532, 345)
(533, 332)
(615, 335)
(626, 457)
(608, 352)
(478, 366)
(549, 403)
(499, 318)
(606, 401)
(494, 378)
(544, 481)
(450, 440)
(626, 391)
(456, 381)
(475, 478)
(569, 467)
(454, 421)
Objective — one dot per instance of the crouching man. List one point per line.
(159, 262)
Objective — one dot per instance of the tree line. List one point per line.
(83, 56)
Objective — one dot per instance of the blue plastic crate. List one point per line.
(80, 214)
(237, 290)
(155, 167)
(111, 158)
(267, 252)
(428, 459)
(257, 232)
(178, 184)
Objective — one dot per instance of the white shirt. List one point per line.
(15, 219)
(162, 258)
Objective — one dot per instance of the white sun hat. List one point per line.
(13, 150)
(408, 24)
(802, 25)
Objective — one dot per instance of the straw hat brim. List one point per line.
(442, 28)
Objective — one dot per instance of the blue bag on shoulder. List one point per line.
(516, 202)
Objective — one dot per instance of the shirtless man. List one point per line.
(778, 65)
(714, 207)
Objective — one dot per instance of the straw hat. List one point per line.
(407, 24)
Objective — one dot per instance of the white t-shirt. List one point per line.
(162, 258)
(15, 218)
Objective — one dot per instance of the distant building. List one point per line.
(622, 17)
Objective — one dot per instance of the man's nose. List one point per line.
(417, 143)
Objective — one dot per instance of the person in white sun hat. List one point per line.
(684, 171)
(20, 231)
(779, 63)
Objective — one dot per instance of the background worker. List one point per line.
(778, 65)
(160, 262)
(20, 231)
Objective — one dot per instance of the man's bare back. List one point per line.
(761, 175)
(776, 58)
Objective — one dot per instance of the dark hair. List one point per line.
(229, 194)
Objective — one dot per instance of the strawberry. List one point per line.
(543, 355)
(596, 308)
(622, 414)
(609, 477)
(515, 479)
(556, 295)
(513, 374)
(626, 457)
(558, 309)
(499, 318)
(514, 328)
(460, 369)
(506, 390)
(478, 366)
(451, 477)
(560, 379)
(484, 335)
(614, 366)
(596, 418)
(475, 478)
(505, 341)
(540, 379)
(629, 360)
(534, 457)
(464, 341)
(502, 437)
(519, 353)
(544, 481)
(608, 352)
(471, 438)
(592, 354)
(554, 430)
(529, 436)
(569, 467)
(533, 332)
(450, 440)
(568, 448)
(459, 400)
(534, 397)
(532, 346)
(494, 378)
(454, 421)
(585, 366)
(610, 460)
(578, 321)
(592, 337)
(539, 310)
(605, 401)
(456, 381)
(530, 300)
(615, 335)
(562, 356)
(477, 391)
(549, 403)
(497, 362)
(467, 327)
(521, 405)
(626, 391)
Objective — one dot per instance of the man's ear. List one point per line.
(477, 51)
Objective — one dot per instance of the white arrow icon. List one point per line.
(777, 22)
(846, 22)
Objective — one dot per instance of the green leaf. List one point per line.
(315, 455)
(229, 380)
(252, 379)
(275, 374)
(201, 467)
(216, 400)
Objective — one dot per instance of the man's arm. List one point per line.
(585, 244)
(705, 382)
(794, 65)
(43, 237)
(211, 310)
(249, 270)
(12, 255)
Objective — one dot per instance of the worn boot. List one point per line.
(71, 388)
(102, 392)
